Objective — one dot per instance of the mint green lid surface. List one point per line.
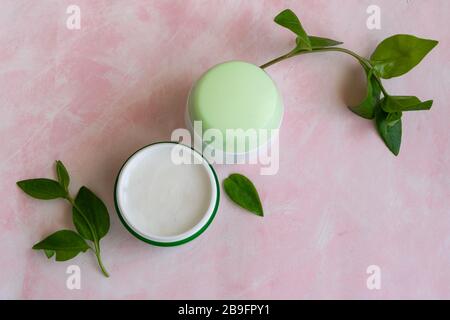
(236, 95)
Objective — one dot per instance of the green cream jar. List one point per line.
(234, 96)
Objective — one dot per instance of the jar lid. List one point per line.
(166, 194)
(235, 95)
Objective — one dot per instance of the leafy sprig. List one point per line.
(393, 57)
(89, 214)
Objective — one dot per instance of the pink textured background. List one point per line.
(340, 202)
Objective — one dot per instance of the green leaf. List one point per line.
(63, 175)
(400, 53)
(93, 220)
(405, 103)
(393, 117)
(390, 130)
(318, 42)
(289, 20)
(49, 253)
(367, 107)
(66, 244)
(242, 191)
(44, 189)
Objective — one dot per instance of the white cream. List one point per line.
(161, 200)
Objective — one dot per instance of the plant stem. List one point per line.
(95, 240)
(363, 61)
(381, 86)
(293, 53)
(281, 58)
(100, 263)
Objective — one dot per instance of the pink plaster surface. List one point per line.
(339, 203)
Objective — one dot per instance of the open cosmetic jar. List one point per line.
(166, 194)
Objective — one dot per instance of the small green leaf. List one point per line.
(289, 20)
(318, 42)
(44, 189)
(49, 253)
(400, 53)
(63, 175)
(66, 244)
(366, 108)
(393, 117)
(94, 215)
(390, 130)
(242, 191)
(405, 103)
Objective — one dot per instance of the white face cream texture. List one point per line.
(160, 198)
